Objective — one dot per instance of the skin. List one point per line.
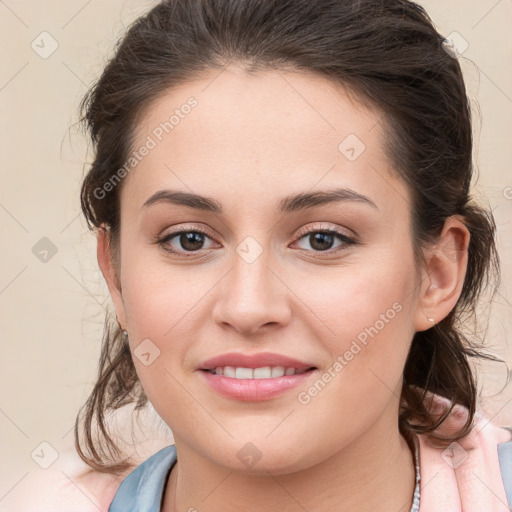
(250, 141)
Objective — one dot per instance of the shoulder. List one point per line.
(69, 485)
(485, 436)
(475, 471)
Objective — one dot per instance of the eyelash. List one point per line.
(187, 254)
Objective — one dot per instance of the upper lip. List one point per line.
(260, 360)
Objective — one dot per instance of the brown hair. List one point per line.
(390, 55)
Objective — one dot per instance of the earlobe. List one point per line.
(444, 273)
(105, 262)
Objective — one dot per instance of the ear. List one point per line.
(106, 263)
(443, 274)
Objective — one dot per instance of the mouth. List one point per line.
(255, 377)
(255, 384)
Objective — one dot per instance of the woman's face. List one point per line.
(267, 278)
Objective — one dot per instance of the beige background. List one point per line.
(52, 313)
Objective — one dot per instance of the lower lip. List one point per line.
(251, 390)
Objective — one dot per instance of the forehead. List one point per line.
(229, 132)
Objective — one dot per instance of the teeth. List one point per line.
(278, 371)
(265, 372)
(229, 371)
(244, 373)
(262, 373)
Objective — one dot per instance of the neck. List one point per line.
(374, 472)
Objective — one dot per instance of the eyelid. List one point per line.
(187, 228)
(323, 227)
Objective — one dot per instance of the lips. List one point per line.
(255, 377)
(260, 360)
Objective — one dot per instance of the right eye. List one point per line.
(191, 241)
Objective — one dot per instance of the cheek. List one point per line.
(367, 358)
(367, 323)
(165, 313)
(155, 295)
(359, 296)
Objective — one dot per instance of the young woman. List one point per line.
(281, 195)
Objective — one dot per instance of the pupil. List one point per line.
(191, 240)
(321, 239)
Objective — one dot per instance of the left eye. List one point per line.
(319, 240)
(193, 240)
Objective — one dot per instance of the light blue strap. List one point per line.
(142, 490)
(505, 458)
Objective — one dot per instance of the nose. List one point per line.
(253, 296)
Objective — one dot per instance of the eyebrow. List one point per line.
(289, 204)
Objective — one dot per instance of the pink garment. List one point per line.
(465, 477)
